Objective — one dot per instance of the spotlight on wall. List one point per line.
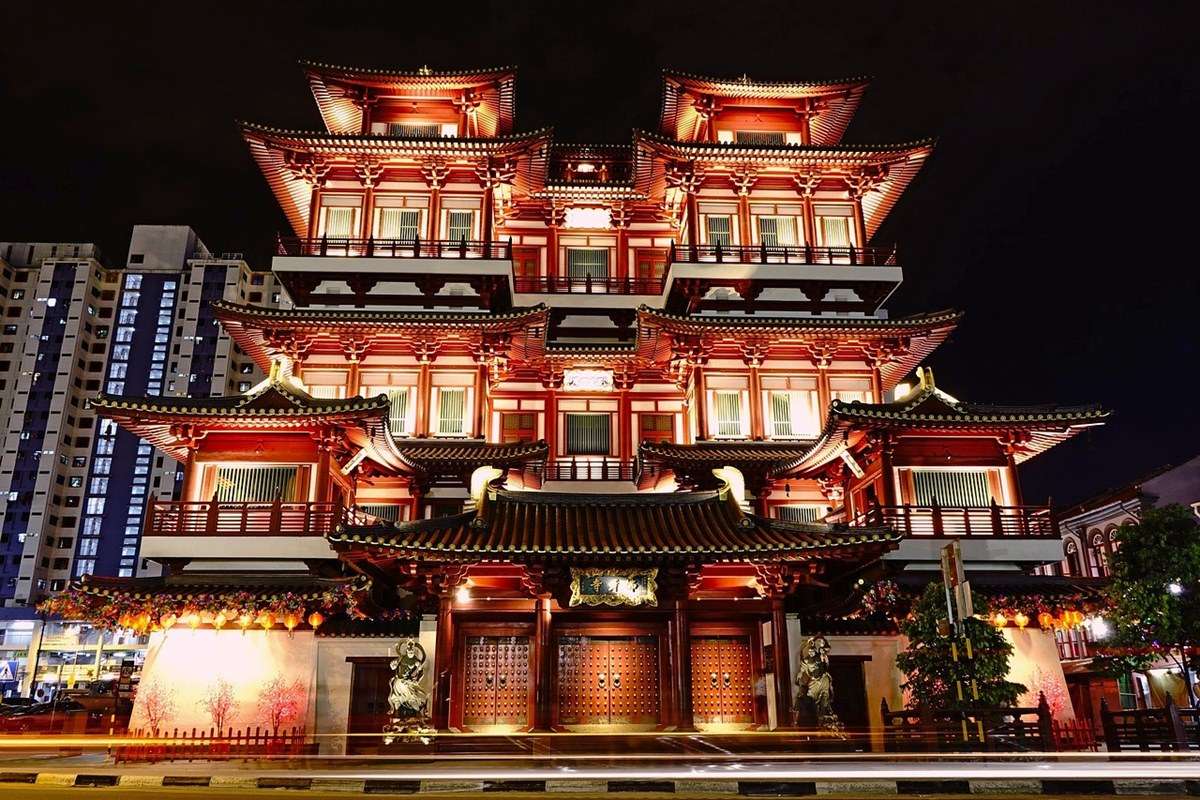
(463, 595)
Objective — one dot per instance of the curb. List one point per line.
(683, 788)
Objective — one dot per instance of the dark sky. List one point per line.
(1058, 210)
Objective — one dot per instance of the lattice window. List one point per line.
(777, 231)
(255, 484)
(399, 223)
(728, 407)
(389, 512)
(398, 411)
(520, 427)
(835, 231)
(719, 230)
(587, 262)
(800, 513)
(951, 487)
(760, 137)
(452, 406)
(460, 225)
(414, 130)
(339, 221)
(588, 434)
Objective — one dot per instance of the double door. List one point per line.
(496, 683)
(609, 680)
(722, 688)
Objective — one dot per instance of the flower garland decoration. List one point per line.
(884, 599)
(238, 609)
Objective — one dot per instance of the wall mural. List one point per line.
(212, 681)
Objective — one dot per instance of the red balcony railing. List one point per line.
(391, 248)
(938, 520)
(779, 254)
(599, 469)
(563, 285)
(218, 518)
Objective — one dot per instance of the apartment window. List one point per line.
(657, 427)
(587, 434)
(587, 262)
(18, 294)
(256, 484)
(460, 225)
(951, 487)
(728, 408)
(414, 130)
(760, 137)
(452, 406)
(398, 223)
(718, 230)
(339, 221)
(518, 427)
(777, 231)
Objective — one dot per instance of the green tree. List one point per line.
(1154, 596)
(930, 671)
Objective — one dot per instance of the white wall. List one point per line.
(334, 675)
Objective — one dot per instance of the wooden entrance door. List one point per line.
(608, 680)
(368, 713)
(850, 698)
(722, 683)
(496, 685)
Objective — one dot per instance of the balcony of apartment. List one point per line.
(1025, 535)
(717, 277)
(428, 273)
(242, 530)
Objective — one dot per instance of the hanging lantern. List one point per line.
(315, 619)
(1045, 620)
(1077, 618)
(191, 619)
(167, 621)
(999, 620)
(1021, 620)
(244, 621)
(219, 620)
(125, 621)
(266, 620)
(290, 621)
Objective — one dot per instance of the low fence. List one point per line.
(917, 730)
(199, 745)
(1170, 728)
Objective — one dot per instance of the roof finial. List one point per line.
(925, 379)
(424, 70)
(744, 79)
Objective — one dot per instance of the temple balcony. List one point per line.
(1018, 535)
(586, 474)
(395, 272)
(780, 278)
(242, 531)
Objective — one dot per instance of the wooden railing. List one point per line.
(564, 285)
(391, 248)
(1145, 729)
(218, 518)
(939, 520)
(780, 254)
(599, 469)
(202, 745)
(916, 730)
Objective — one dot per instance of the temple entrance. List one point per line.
(496, 682)
(608, 681)
(722, 686)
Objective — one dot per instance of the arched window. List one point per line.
(1098, 554)
(1071, 552)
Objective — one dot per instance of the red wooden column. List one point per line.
(860, 226)
(421, 420)
(625, 426)
(700, 401)
(693, 219)
(543, 664)
(681, 641)
(781, 664)
(757, 430)
(443, 667)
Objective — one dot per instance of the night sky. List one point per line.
(1058, 209)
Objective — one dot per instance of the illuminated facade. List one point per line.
(612, 427)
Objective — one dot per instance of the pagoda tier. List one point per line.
(514, 344)
(478, 101)
(694, 106)
(875, 174)
(293, 162)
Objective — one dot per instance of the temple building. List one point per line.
(609, 429)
